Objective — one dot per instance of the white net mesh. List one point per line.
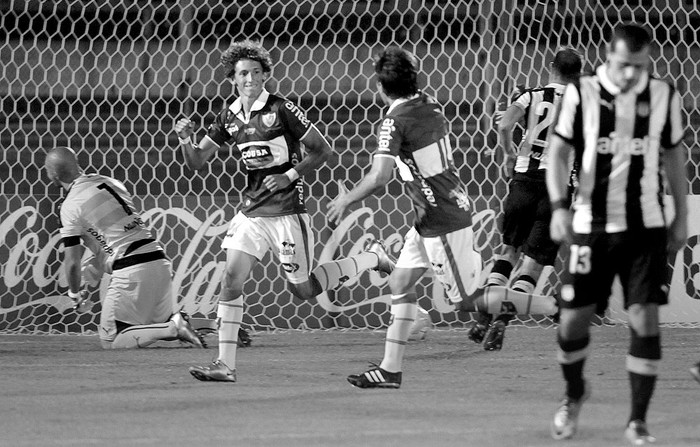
(110, 78)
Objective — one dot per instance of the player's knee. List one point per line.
(399, 285)
(231, 287)
(644, 319)
(575, 323)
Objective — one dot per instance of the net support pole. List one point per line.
(184, 51)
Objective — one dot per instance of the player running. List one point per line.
(414, 135)
(267, 131)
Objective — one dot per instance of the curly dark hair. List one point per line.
(397, 71)
(245, 49)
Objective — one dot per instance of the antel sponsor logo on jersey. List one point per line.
(298, 113)
(625, 145)
(385, 131)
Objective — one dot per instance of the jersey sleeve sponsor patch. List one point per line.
(386, 136)
(296, 120)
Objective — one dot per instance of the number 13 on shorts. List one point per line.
(580, 259)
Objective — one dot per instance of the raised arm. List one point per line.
(510, 118)
(196, 155)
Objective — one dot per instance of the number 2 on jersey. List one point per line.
(544, 111)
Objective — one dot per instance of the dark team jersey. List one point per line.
(269, 143)
(414, 132)
(540, 106)
(618, 139)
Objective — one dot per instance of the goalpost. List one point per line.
(110, 79)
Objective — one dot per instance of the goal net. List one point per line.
(109, 79)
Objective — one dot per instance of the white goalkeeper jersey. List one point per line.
(100, 210)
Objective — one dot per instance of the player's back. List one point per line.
(101, 210)
(540, 105)
(417, 132)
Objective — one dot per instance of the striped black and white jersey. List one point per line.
(540, 106)
(618, 138)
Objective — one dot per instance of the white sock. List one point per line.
(523, 285)
(523, 303)
(497, 279)
(230, 316)
(403, 315)
(332, 274)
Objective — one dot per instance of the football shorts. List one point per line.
(526, 217)
(140, 294)
(289, 237)
(451, 257)
(593, 260)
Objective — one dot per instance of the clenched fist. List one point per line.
(184, 128)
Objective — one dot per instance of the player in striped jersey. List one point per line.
(268, 131)
(625, 131)
(525, 225)
(138, 308)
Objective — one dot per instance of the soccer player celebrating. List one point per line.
(525, 226)
(624, 128)
(139, 307)
(414, 135)
(267, 130)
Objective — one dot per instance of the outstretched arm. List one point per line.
(378, 176)
(72, 254)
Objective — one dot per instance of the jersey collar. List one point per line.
(259, 103)
(602, 73)
(559, 88)
(400, 101)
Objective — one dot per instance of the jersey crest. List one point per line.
(268, 119)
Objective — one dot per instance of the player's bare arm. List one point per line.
(674, 162)
(196, 155)
(557, 187)
(319, 151)
(72, 256)
(378, 176)
(506, 124)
